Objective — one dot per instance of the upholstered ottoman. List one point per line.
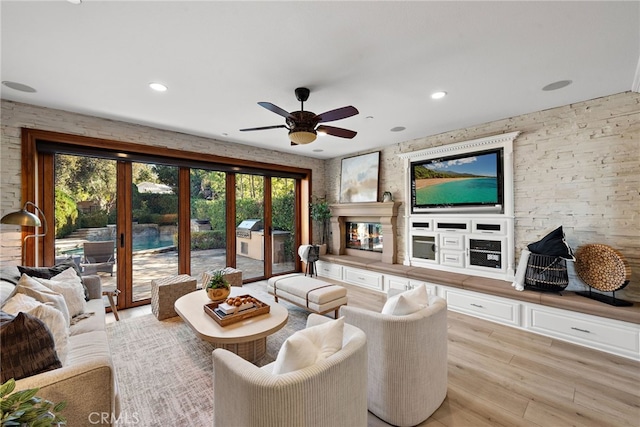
(165, 292)
(313, 294)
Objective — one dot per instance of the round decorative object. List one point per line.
(218, 294)
(602, 267)
(387, 196)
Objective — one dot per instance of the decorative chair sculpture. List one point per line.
(331, 392)
(407, 361)
(98, 256)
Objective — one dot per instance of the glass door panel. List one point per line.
(208, 221)
(250, 227)
(283, 220)
(154, 229)
(85, 214)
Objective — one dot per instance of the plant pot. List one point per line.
(323, 249)
(218, 294)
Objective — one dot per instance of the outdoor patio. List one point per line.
(149, 265)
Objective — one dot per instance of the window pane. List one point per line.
(208, 221)
(250, 225)
(283, 199)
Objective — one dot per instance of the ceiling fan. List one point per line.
(302, 124)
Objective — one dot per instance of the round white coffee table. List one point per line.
(246, 338)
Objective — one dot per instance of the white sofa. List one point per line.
(87, 381)
(407, 361)
(330, 393)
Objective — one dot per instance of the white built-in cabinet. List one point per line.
(463, 240)
(609, 335)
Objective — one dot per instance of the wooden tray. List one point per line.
(228, 319)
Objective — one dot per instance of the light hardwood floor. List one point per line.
(501, 376)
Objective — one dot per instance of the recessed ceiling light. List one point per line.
(398, 129)
(159, 87)
(18, 86)
(318, 150)
(438, 95)
(75, 1)
(557, 85)
(369, 117)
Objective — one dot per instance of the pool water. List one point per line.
(139, 244)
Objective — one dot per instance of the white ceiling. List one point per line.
(385, 58)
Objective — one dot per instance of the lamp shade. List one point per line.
(21, 217)
(302, 137)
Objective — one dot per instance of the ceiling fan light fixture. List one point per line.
(302, 137)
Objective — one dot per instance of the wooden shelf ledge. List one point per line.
(567, 300)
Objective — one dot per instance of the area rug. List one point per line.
(164, 371)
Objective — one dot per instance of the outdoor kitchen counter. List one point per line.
(567, 300)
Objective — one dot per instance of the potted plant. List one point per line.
(320, 213)
(218, 289)
(24, 408)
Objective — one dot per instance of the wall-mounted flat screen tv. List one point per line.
(459, 183)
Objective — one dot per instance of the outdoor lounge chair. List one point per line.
(98, 256)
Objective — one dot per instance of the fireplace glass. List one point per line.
(366, 236)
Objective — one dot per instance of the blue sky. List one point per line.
(483, 164)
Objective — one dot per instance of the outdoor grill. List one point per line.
(247, 226)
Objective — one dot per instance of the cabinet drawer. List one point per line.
(326, 269)
(498, 310)
(602, 334)
(448, 241)
(363, 278)
(452, 258)
(396, 283)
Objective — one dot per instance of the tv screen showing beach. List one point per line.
(457, 181)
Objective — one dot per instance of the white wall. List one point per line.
(16, 116)
(577, 166)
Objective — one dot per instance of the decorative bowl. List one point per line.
(218, 294)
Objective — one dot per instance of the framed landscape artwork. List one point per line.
(359, 178)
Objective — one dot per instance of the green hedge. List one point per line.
(211, 239)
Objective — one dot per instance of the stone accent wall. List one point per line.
(577, 166)
(17, 115)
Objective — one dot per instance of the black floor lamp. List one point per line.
(25, 218)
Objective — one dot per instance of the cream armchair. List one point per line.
(407, 361)
(332, 392)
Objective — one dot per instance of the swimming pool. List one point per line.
(140, 243)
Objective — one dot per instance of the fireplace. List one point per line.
(364, 236)
(357, 230)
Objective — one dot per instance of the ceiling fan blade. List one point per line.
(269, 106)
(337, 114)
(340, 132)
(264, 128)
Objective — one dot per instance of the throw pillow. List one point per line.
(31, 287)
(68, 285)
(49, 272)
(418, 295)
(553, 244)
(400, 305)
(51, 317)
(27, 347)
(309, 346)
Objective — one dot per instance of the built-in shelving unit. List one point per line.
(470, 240)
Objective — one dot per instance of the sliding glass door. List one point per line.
(283, 220)
(208, 222)
(156, 214)
(154, 227)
